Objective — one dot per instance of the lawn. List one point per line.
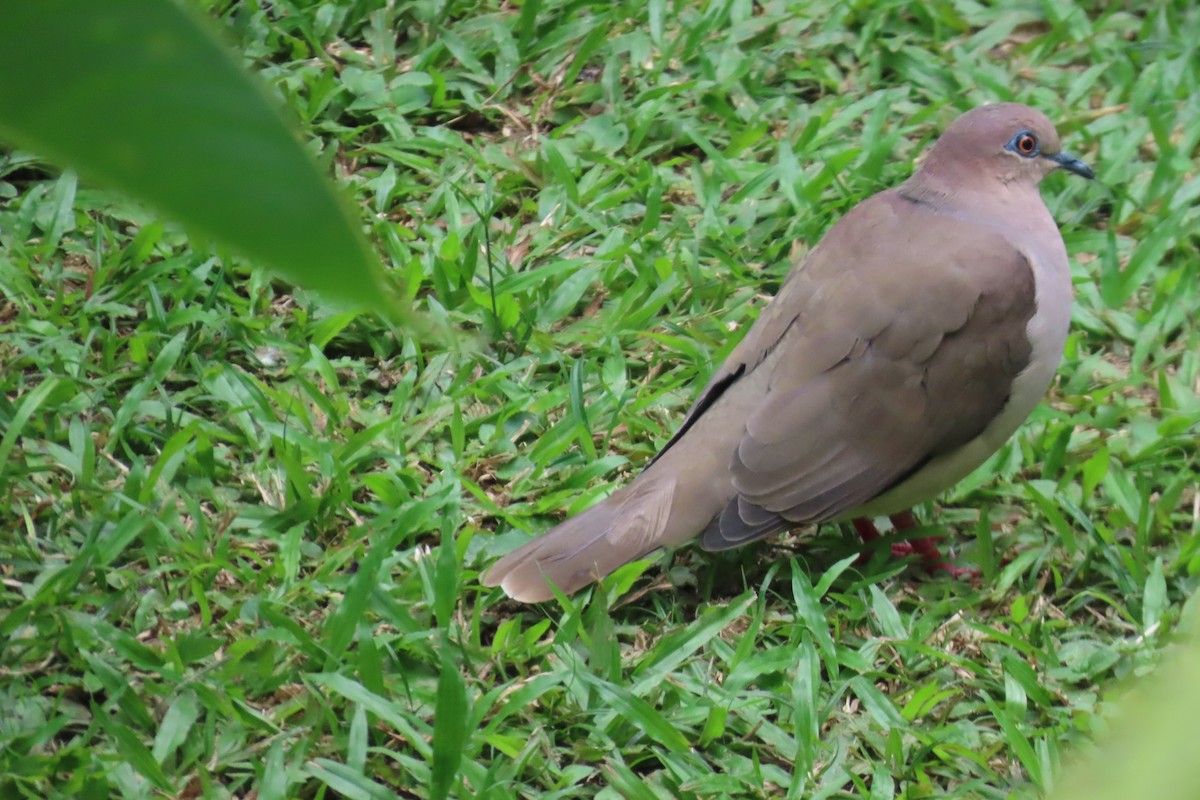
(241, 527)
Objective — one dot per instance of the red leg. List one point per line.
(926, 548)
(865, 527)
(905, 521)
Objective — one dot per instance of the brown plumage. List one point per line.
(907, 346)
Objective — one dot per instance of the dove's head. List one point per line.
(1007, 143)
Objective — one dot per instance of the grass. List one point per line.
(240, 529)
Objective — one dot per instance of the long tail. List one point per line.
(588, 546)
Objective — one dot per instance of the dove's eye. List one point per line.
(1025, 144)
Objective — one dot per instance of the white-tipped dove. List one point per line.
(898, 355)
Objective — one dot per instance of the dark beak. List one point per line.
(1072, 164)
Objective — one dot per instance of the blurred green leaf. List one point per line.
(1150, 751)
(141, 95)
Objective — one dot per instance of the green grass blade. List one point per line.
(641, 714)
(449, 729)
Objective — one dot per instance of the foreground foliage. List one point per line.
(241, 530)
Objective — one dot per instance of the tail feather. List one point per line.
(586, 547)
(739, 523)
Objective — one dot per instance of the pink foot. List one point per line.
(924, 547)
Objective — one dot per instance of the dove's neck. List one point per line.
(1010, 205)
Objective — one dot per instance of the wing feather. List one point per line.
(882, 367)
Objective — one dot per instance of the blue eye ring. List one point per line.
(1025, 144)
